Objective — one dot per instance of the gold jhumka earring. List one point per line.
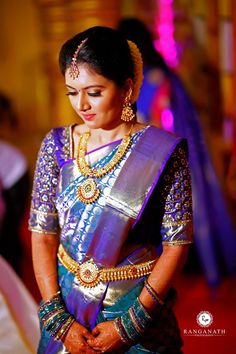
(127, 112)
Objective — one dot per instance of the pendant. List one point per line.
(88, 192)
(88, 274)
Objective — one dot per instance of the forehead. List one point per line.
(87, 77)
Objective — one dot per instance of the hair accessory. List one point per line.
(138, 70)
(127, 112)
(74, 69)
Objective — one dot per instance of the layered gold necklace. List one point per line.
(88, 192)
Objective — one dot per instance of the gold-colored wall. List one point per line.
(22, 75)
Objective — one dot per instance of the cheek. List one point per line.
(111, 104)
(73, 102)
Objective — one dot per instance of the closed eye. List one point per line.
(94, 94)
(71, 93)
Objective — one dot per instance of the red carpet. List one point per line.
(194, 297)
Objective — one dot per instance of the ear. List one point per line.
(128, 87)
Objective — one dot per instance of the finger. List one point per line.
(95, 331)
(90, 342)
(86, 334)
(94, 342)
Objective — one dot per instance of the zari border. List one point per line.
(176, 243)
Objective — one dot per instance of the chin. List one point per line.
(92, 124)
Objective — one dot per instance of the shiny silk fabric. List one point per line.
(212, 223)
(56, 209)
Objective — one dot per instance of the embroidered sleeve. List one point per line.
(43, 215)
(176, 226)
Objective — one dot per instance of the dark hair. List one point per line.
(137, 32)
(105, 50)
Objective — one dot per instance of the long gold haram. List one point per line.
(88, 191)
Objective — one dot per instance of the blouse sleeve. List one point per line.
(176, 226)
(43, 214)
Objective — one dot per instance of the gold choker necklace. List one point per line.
(88, 191)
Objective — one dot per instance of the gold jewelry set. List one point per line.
(88, 191)
(89, 275)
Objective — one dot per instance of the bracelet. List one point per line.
(54, 317)
(121, 331)
(132, 324)
(64, 328)
(153, 293)
(141, 314)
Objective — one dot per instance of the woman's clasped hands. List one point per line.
(103, 339)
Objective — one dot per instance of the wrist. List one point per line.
(54, 317)
(133, 323)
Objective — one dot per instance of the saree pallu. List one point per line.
(79, 224)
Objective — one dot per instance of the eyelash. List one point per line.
(71, 93)
(92, 94)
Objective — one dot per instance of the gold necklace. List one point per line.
(88, 191)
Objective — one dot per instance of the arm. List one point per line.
(45, 239)
(44, 254)
(176, 229)
(167, 267)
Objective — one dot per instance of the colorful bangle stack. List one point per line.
(131, 325)
(153, 293)
(54, 317)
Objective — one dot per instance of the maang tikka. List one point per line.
(74, 69)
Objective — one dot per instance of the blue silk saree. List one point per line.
(146, 205)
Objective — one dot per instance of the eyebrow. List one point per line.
(87, 87)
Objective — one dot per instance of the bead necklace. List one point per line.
(88, 191)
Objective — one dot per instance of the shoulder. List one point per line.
(163, 143)
(158, 133)
(58, 141)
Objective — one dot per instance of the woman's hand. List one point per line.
(76, 340)
(106, 338)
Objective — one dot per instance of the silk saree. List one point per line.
(150, 203)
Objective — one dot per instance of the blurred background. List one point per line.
(201, 49)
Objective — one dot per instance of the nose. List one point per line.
(82, 103)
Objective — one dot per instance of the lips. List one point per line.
(88, 116)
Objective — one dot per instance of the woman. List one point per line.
(106, 194)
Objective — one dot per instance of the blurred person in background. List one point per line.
(19, 330)
(231, 178)
(164, 102)
(14, 176)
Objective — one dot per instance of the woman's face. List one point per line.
(97, 100)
